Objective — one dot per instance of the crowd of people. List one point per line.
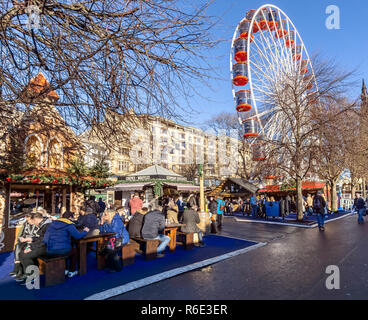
(45, 236)
(255, 206)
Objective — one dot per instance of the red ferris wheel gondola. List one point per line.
(281, 29)
(243, 101)
(240, 74)
(249, 16)
(240, 49)
(259, 152)
(297, 52)
(251, 128)
(244, 30)
(290, 39)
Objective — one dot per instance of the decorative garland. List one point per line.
(157, 188)
(86, 182)
(288, 186)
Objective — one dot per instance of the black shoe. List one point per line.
(202, 245)
(16, 270)
(160, 255)
(20, 278)
(322, 228)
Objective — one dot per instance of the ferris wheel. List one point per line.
(268, 51)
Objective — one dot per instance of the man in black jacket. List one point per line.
(213, 209)
(36, 247)
(153, 227)
(360, 206)
(319, 205)
(136, 223)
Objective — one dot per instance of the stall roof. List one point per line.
(130, 186)
(218, 191)
(245, 184)
(183, 187)
(306, 185)
(156, 171)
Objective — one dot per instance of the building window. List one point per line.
(123, 151)
(123, 166)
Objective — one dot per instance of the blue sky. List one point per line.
(347, 46)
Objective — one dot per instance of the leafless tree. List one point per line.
(337, 136)
(293, 148)
(103, 56)
(223, 123)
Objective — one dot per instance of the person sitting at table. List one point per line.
(124, 214)
(35, 248)
(172, 211)
(25, 235)
(191, 219)
(112, 222)
(136, 223)
(88, 219)
(153, 227)
(58, 242)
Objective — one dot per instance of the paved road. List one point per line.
(291, 266)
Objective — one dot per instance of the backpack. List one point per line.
(317, 202)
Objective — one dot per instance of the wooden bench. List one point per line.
(53, 268)
(147, 247)
(128, 253)
(186, 239)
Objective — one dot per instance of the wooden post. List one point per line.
(53, 202)
(63, 208)
(201, 187)
(71, 198)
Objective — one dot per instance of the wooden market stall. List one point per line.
(150, 181)
(38, 149)
(234, 188)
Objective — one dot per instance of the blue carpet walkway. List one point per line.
(95, 281)
(292, 218)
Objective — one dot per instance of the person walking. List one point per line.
(319, 208)
(181, 207)
(360, 206)
(254, 206)
(135, 204)
(213, 210)
(355, 202)
(220, 212)
(309, 206)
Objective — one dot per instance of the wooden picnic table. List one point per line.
(170, 230)
(82, 250)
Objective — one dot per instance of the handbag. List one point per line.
(213, 217)
(110, 245)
